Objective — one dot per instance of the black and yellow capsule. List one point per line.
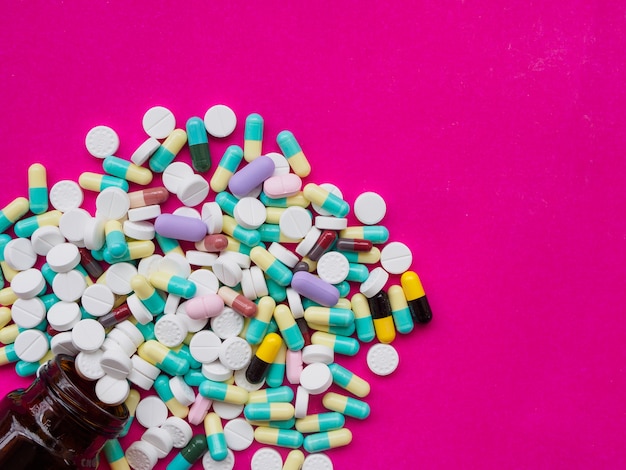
(416, 297)
(264, 356)
(383, 320)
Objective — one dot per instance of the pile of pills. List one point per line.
(231, 312)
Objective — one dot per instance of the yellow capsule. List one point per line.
(132, 401)
(385, 329)
(273, 214)
(268, 350)
(12, 212)
(8, 272)
(7, 296)
(5, 316)
(9, 333)
(294, 460)
(140, 249)
(310, 263)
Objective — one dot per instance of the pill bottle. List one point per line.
(56, 423)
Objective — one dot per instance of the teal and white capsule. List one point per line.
(400, 310)
(292, 151)
(357, 272)
(49, 300)
(373, 233)
(162, 357)
(126, 170)
(288, 328)
(270, 395)
(346, 405)
(329, 316)
(340, 344)
(13, 212)
(169, 245)
(271, 266)
(257, 328)
(26, 227)
(270, 411)
(198, 144)
(326, 200)
(320, 422)
(349, 381)
(278, 437)
(37, 189)
(114, 455)
(147, 294)
(297, 199)
(223, 392)
(115, 239)
(363, 318)
(322, 441)
(272, 233)
(226, 168)
(276, 372)
(227, 202)
(253, 137)
(215, 438)
(168, 150)
(244, 235)
(97, 182)
(173, 284)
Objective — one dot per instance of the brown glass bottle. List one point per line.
(57, 422)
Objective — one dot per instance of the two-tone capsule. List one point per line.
(340, 344)
(322, 441)
(37, 189)
(98, 182)
(400, 310)
(320, 422)
(259, 323)
(253, 137)
(383, 320)
(226, 168)
(223, 392)
(263, 357)
(346, 405)
(147, 294)
(198, 144)
(126, 170)
(168, 150)
(162, 357)
(163, 389)
(349, 381)
(215, 438)
(271, 266)
(173, 284)
(12, 212)
(416, 297)
(190, 454)
(288, 327)
(292, 151)
(278, 437)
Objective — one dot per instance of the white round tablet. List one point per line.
(118, 278)
(205, 346)
(331, 188)
(295, 222)
(160, 439)
(305, 245)
(208, 463)
(370, 208)
(149, 265)
(258, 280)
(88, 335)
(151, 411)
(175, 174)
(62, 316)
(112, 391)
(94, 233)
(382, 359)
(45, 238)
(145, 151)
(283, 255)
(301, 405)
(333, 267)
(188, 212)
(158, 122)
(324, 222)
(28, 284)
(247, 286)
(69, 286)
(139, 230)
(170, 330)
(181, 391)
(61, 343)
(172, 303)
(235, 353)
(374, 283)
(31, 345)
(193, 325)
(112, 203)
(116, 363)
(66, 195)
(63, 258)
(295, 303)
(130, 330)
(220, 121)
(28, 313)
(138, 309)
(143, 366)
(316, 378)
(317, 462)
(212, 216)
(139, 214)
(73, 223)
(193, 190)
(88, 364)
(396, 258)
(179, 429)
(250, 213)
(317, 353)
(176, 264)
(216, 371)
(281, 165)
(266, 458)
(228, 272)
(19, 254)
(200, 258)
(102, 141)
(227, 324)
(239, 434)
(141, 455)
(227, 410)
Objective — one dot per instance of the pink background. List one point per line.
(496, 134)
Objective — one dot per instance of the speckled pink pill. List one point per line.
(251, 176)
(206, 306)
(282, 185)
(199, 409)
(180, 227)
(314, 288)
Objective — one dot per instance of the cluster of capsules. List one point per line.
(230, 305)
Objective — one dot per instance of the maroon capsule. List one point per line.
(304, 329)
(93, 268)
(51, 331)
(301, 266)
(148, 197)
(115, 316)
(323, 244)
(212, 243)
(353, 244)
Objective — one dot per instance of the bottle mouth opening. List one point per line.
(78, 396)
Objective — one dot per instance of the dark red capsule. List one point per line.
(304, 329)
(93, 268)
(324, 243)
(353, 244)
(115, 316)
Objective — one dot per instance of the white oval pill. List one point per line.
(216, 371)
(382, 359)
(301, 405)
(295, 222)
(112, 203)
(175, 174)
(370, 208)
(45, 238)
(19, 254)
(396, 258)
(181, 391)
(145, 151)
(180, 431)
(158, 122)
(88, 335)
(266, 458)
(69, 286)
(66, 195)
(102, 141)
(151, 411)
(28, 284)
(239, 434)
(31, 345)
(250, 213)
(193, 190)
(220, 121)
(170, 330)
(333, 267)
(63, 258)
(316, 378)
(28, 313)
(139, 230)
(374, 283)
(228, 324)
(141, 455)
(235, 353)
(212, 216)
(205, 346)
(116, 364)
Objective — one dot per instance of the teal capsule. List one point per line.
(252, 137)
(146, 330)
(270, 202)
(162, 387)
(4, 239)
(127, 170)
(184, 353)
(168, 150)
(98, 255)
(272, 233)
(336, 330)
(373, 233)
(283, 394)
(162, 357)
(37, 189)
(26, 369)
(282, 424)
(343, 287)
(114, 453)
(47, 273)
(173, 284)
(400, 310)
(115, 240)
(257, 329)
(194, 378)
(357, 272)
(340, 344)
(198, 144)
(26, 227)
(227, 202)
(346, 405)
(329, 316)
(279, 437)
(246, 236)
(168, 245)
(276, 292)
(321, 441)
(192, 452)
(49, 300)
(272, 327)
(226, 168)
(365, 329)
(98, 183)
(268, 411)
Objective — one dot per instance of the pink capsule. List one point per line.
(293, 361)
(282, 185)
(206, 306)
